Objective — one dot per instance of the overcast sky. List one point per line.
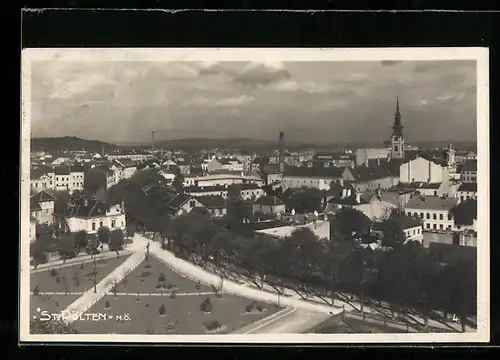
(310, 101)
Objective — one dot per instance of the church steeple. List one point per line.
(397, 138)
(397, 128)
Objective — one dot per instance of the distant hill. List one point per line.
(200, 143)
(69, 143)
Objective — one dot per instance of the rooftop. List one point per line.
(404, 222)
(179, 200)
(431, 203)
(43, 196)
(286, 231)
(419, 185)
(269, 201)
(314, 172)
(469, 165)
(472, 187)
(87, 208)
(212, 202)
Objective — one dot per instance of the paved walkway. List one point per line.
(76, 261)
(129, 293)
(198, 273)
(193, 271)
(89, 298)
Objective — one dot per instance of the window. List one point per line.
(435, 193)
(428, 216)
(434, 216)
(192, 203)
(421, 215)
(113, 223)
(93, 226)
(434, 226)
(101, 223)
(413, 232)
(440, 226)
(409, 213)
(123, 224)
(449, 216)
(272, 209)
(440, 216)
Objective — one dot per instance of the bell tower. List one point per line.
(397, 138)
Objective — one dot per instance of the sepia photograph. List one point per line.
(255, 195)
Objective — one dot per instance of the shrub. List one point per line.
(161, 278)
(170, 286)
(106, 305)
(161, 310)
(212, 325)
(53, 272)
(36, 291)
(206, 305)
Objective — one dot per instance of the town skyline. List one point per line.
(122, 102)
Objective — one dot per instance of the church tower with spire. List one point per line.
(397, 138)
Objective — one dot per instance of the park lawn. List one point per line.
(74, 278)
(182, 315)
(144, 279)
(50, 303)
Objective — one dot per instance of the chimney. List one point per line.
(344, 193)
(379, 193)
(358, 197)
(378, 161)
(282, 152)
(348, 192)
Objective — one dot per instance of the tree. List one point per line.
(465, 212)
(393, 233)
(307, 200)
(81, 239)
(458, 288)
(233, 193)
(103, 233)
(61, 202)
(351, 221)
(116, 240)
(131, 227)
(66, 246)
(178, 182)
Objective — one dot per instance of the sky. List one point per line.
(122, 102)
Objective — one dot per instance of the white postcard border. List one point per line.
(481, 55)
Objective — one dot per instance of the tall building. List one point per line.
(397, 139)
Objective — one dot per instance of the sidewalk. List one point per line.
(89, 298)
(191, 270)
(198, 273)
(77, 260)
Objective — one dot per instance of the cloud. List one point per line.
(262, 74)
(309, 101)
(390, 62)
(225, 102)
